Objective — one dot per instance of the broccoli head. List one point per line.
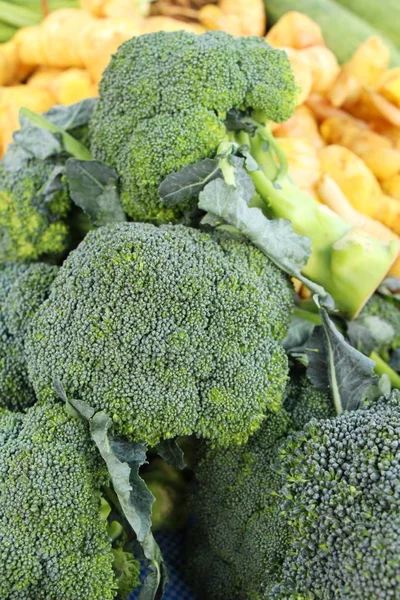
(386, 309)
(32, 223)
(342, 501)
(54, 541)
(240, 538)
(22, 289)
(170, 330)
(163, 101)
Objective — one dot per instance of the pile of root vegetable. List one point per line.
(199, 307)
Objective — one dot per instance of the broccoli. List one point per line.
(54, 538)
(176, 110)
(22, 289)
(386, 309)
(163, 101)
(303, 514)
(170, 330)
(342, 501)
(32, 224)
(240, 539)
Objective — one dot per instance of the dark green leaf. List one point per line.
(300, 332)
(93, 187)
(40, 143)
(16, 158)
(369, 332)
(53, 184)
(275, 238)
(72, 116)
(395, 360)
(338, 368)
(188, 182)
(171, 452)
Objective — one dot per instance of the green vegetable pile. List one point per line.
(158, 371)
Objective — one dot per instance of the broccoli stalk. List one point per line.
(344, 260)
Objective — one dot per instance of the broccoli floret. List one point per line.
(170, 330)
(31, 224)
(54, 543)
(386, 309)
(22, 289)
(163, 101)
(342, 497)
(304, 402)
(240, 537)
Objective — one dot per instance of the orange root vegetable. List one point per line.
(295, 30)
(385, 108)
(53, 42)
(304, 164)
(323, 65)
(354, 135)
(345, 89)
(237, 17)
(100, 39)
(333, 196)
(322, 109)
(359, 185)
(9, 63)
(383, 162)
(391, 186)
(301, 125)
(71, 86)
(369, 61)
(302, 73)
(389, 86)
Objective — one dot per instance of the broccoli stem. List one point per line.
(307, 316)
(348, 263)
(382, 368)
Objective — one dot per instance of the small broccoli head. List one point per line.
(31, 224)
(163, 101)
(170, 330)
(241, 537)
(304, 402)
(22, 289)
(343, 505)
(388, 310)
(54, 543)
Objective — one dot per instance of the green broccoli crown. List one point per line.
(31, 224)
(22, 289)
(170, 330)
(343, 506)
(304, 402)
(163, 101)
(53, 542)
(240, 537)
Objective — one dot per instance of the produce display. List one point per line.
(199, 300)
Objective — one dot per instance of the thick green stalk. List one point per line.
(382, 368)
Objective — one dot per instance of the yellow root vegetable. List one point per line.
(369, 61)
(43, 77)
(354, 135)
(302, 73)
(302, 157)
(53, 42)
(389, 86)
(9, 63)
(71, 86)
(359, 185)
(152, 24)
(301, 125)
(237, 17)
(295, 30)
(323, 65)
(383, 162)
(391, 186)
(332, 195)
(323, 109)
(100, 39)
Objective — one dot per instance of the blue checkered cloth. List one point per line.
(172, 547)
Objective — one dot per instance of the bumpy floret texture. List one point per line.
(240, 537)
(31, 224)
(170, 330)
(22, 289)
(304, 402)
(343, 505)
(53, 543)
(163, 101)
(387, 310)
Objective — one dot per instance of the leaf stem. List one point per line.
(382, 368)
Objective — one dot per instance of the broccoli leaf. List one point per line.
(188, 182)
(336, 367)
(171, 452)
(275, 238)
(123, 460)
(369, 332)
(37, 127)
(53, 184)
(299, 333)
(93, 187)
(71, 116)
